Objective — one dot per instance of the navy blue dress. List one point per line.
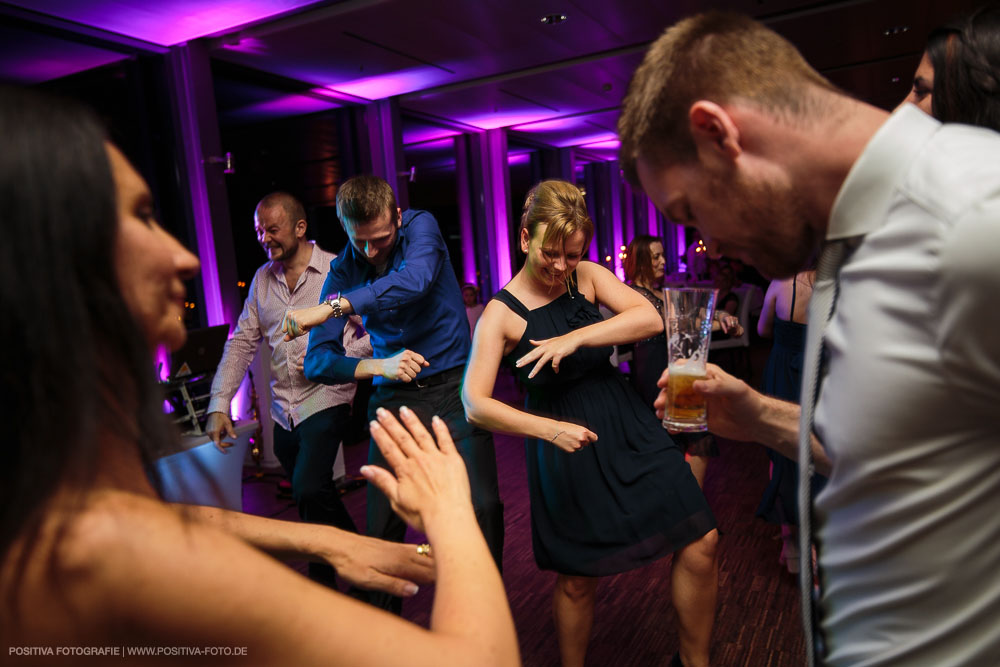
(783, 379)
(621, 502)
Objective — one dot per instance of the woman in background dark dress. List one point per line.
(609, 489)
(786, 306)
(644, 271)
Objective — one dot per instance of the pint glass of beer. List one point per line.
(688, 314)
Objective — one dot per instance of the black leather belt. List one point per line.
(422, 381)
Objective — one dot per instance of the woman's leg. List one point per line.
(699, 466)
(573, 609)
(695, 582)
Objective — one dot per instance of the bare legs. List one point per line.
(699, 466)
(695, 583)
(573, 609)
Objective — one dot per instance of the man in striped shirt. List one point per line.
(310, 419)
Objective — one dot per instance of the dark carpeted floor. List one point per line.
(758, 613)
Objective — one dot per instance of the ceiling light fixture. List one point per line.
(552, 19)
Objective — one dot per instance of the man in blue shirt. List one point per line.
(396, 274)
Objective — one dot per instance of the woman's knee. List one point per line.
(577, 589)
(700, 555)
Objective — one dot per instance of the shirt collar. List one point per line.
(863, 202)
(316, 262)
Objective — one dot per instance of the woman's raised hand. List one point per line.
(550, 350)
(430, 479)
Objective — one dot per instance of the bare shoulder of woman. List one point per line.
(141, 574)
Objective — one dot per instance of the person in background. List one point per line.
(783, 318)
(310, 420)
(726, 300)
(728, 129)
(89, 553)
(958, 79)
(644, 270)
(610, 491)
(396, 273)
(473, 309)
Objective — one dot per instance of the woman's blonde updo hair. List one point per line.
(559, 205)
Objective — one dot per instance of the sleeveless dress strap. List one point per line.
(511, 301)
(791, 311)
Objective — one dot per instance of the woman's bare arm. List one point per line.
(635, 319)
(159, 579)
(495, 330)
(366, 562)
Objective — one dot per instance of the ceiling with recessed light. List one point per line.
(453, 64)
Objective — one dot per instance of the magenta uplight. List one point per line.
(287, 105)
(39, 58)
(432, 146)
(426, 133)
(493, 121)
(164, 22)
(610, 144)
(394, 83)
(556, 124)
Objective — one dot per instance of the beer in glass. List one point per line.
(688, 313)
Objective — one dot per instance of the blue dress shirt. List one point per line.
(415, 304)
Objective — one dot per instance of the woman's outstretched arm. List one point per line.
(365, 562)
(146, 576)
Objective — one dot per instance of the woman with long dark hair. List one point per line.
(958, 79)
(609, 489)
(89, 554)
(644, 270)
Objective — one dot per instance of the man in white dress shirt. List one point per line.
(728, 130)
(310, 419)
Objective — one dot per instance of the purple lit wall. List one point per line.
(466, 223)
(189, 131)
(652, 218)
(495, 177)
(616, 188)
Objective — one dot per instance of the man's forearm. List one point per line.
(778, 429)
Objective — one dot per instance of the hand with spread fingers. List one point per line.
(430, 479)
(551, 350)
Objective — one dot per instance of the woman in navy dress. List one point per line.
(610, 491)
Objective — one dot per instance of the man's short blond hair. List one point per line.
(716, 56)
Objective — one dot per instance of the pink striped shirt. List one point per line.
(294, 398)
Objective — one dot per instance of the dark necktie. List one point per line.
(820, 309)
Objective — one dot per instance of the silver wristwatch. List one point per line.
(333, 301)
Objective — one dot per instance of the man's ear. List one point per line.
(300, 229)
(399, 218)
(714, 131)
